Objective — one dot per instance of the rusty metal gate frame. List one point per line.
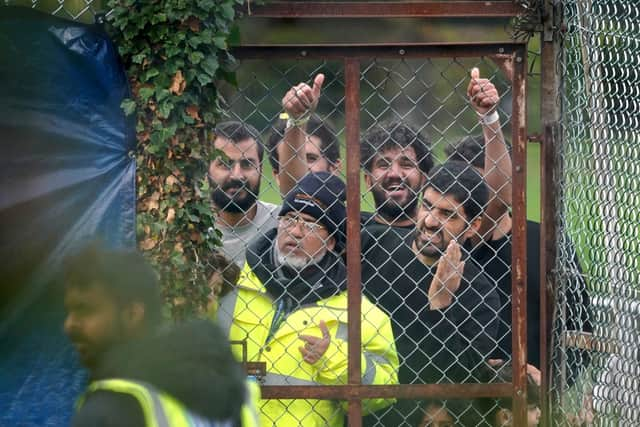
(351, 55)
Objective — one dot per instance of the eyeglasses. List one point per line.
(287, 222)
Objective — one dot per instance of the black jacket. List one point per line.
(192, 362)
(494, 259)
(434, 345)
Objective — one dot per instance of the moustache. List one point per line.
(432, 230)
(233, 184)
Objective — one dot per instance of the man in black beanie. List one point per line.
(290, 307)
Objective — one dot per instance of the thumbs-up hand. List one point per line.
(302, 99)
(482, 94)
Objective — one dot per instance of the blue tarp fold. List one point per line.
(67, 175)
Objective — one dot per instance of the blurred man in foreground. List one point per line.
(140, 375)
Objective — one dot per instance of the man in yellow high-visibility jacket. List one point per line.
(140, 373)
(290, 305)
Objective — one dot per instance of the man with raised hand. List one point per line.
(235, 177)
(321, 148)
(290, 307)
(491, 249)
(442, 308)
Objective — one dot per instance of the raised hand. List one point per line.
(315, 347)
(302, 99)
(446, 281)
(482, 94)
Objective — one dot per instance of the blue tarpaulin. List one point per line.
(67, 175)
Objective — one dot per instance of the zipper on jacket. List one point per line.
(285, 305)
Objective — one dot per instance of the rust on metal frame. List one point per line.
(352, 124)
(519, 237)
(350, 53)
(550, 116)
(381, 9)
(401, 391)
(367, 51)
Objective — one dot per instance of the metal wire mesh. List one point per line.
(399, 99)
(429, 95)
(76, 10)
(599, 212)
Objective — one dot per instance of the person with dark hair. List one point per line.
(499, 410)
(452, 413)
(442, 308)
(469, 149)
(140, 374)
(321, 148)
(235, 177)
(493, 253)
(396, 159)
(290, 307)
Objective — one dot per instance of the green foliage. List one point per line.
(174, 52)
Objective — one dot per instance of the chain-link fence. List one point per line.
(414, 111)
(76, 10)
(419, 325)
(599, 207)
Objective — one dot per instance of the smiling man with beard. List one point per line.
(235, 177)
(290, 306)
(396, 159)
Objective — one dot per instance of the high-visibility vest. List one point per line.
(249, 415)
(159, 408)
(247, 313)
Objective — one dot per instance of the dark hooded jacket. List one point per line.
(191, 362)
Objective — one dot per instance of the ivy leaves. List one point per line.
(175, 51)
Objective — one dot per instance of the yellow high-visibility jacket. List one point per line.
(247, 313)
(162, 410)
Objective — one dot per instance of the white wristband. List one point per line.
(488, 119)
(297, 123)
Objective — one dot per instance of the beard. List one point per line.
(432, 246)
(90, 350)
(244, 198)
(298, 262)
(391, 209)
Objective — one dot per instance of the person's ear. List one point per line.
(367, 179)
(474, 227)
(331, 243)
(334, 167)
(134, 316)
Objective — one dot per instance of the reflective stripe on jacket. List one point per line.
(247, 313)
(159, 409)
(249, 415)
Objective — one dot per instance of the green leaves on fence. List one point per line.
(174, 52)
